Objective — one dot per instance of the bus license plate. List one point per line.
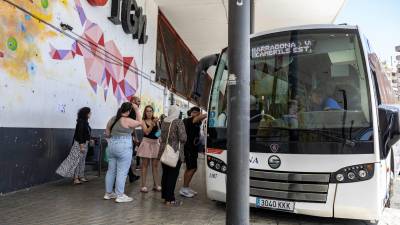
(275, 204)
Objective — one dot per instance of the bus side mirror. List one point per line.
(389, 126)
(201, 73)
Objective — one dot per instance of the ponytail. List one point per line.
(117, 117)
(125, 107)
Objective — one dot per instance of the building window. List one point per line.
(175, 63)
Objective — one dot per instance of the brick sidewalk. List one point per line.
(61, 203)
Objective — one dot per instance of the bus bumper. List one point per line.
(359, 200)
(311, 208)
(350, 200)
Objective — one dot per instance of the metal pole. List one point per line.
(239, 113)
(252, 16)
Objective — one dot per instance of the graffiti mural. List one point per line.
(48, 72)
(19, 33)
(103, 60)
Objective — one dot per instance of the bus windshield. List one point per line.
(301, 80)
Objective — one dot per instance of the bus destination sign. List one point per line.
(282, 48)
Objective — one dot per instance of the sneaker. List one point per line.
(83, 179)
(108, 196)
(186, 193)
(123, 198)
(192, 191)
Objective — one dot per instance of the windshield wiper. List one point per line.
(321, 132)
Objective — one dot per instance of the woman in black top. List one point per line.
(74, 164)
(149, 147)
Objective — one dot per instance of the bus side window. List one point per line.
(376, 87)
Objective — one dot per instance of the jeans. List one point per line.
(119, 162)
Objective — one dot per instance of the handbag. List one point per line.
(170, 157)
(158, 133)
(105, 157)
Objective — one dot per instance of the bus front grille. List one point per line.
(299, 187)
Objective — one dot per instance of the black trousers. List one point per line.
(168, 181)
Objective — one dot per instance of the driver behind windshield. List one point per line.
(322, 102)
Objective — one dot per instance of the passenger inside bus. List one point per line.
(221, 119)
(321, 102)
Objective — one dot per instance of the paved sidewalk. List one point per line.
(63, 203)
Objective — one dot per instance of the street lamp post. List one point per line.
(397, 49)
(239, 113)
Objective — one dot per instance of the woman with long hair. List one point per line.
(74, 164)
(119, 130)
(173, 133)
(148, 149)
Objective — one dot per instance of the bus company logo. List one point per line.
(274, 162)
(274, 148)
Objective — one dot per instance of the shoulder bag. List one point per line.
(170, 157)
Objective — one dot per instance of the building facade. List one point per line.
(59, 56)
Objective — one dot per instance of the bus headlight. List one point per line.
(362, 173)
(211, 163)
(354, 173)
(224, 168)
(351, 175)
(339, 177)
(216, 164)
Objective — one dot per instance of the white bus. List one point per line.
(323, 138)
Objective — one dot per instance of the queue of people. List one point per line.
(159, 137)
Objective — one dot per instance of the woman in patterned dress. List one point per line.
(74, 165)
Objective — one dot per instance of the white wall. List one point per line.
(49, 94)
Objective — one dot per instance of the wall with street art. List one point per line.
(47, 73)
(57, 56)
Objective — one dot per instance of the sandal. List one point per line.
(174, 203)
(144, 190)
(77, 181)
(157, 188)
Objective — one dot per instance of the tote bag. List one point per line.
(169, 156)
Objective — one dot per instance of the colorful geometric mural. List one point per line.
(49, 75)
(19, 35)
(103, 60)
